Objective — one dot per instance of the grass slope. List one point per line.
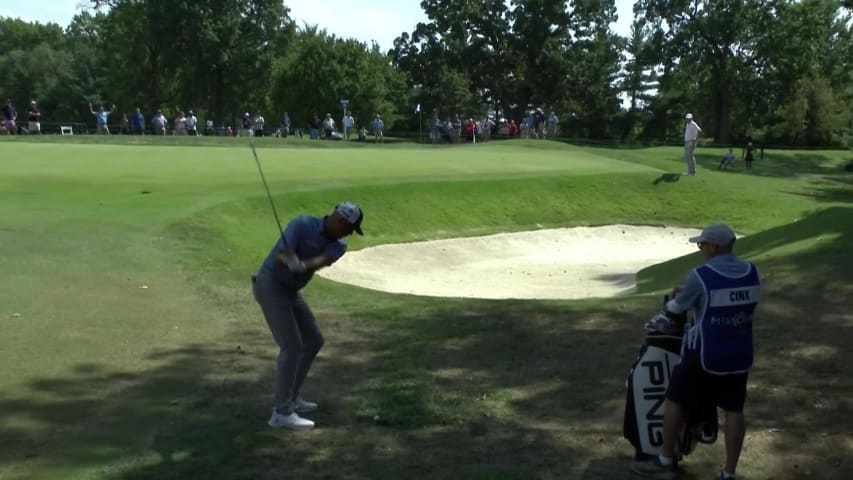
(109, 380)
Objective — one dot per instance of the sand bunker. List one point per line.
(579, 262)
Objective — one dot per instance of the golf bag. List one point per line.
(646, 385)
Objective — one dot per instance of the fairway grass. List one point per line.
(132, 348)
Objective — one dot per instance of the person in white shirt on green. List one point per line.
(691, 134)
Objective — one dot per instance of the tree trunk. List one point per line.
(722, 129)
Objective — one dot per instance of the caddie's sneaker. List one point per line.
(304, 406)
(290, 422)
(654, 469)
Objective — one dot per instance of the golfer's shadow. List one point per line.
(668, 178)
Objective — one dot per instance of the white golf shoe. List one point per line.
(290, 422)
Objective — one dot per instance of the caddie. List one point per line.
(717, 352)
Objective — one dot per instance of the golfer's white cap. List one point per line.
(718, 234)
(689, 116)
(352, 213)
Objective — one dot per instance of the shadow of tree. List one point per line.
(779, 164)
(832, 189)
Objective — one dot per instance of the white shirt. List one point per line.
(691, 131)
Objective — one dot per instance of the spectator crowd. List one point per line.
(453, 129)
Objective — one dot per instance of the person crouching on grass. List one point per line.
(717, 349)
(307, 244)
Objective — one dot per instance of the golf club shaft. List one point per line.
(266, 187)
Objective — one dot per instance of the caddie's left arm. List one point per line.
(684, 298)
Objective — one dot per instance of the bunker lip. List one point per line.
(564, 263)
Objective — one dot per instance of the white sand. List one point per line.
(577, 262)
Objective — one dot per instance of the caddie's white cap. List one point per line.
(689, 116)
(718, 234)
(352, 213)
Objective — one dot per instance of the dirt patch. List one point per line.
(565, 263)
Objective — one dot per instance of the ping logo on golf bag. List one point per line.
(650, 380)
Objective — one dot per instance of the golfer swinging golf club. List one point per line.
(307, 244)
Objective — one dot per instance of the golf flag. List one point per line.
(418, 108)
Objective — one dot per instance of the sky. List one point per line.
(366, 20)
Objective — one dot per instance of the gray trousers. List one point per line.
(689, 148)
(295, 331)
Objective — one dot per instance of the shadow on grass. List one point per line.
(667, 178)
(831, 189)
(412, 387)
(780, 164)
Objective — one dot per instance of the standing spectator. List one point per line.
(748, 155)
(159, 123)
(435, 128)
(539, 123)
(192, 124)
(137, 123)
(33, 116)
(552, 125)
(285, 125)
(181, 124)
(124, 125)
(246, 131)
(486, 127)
(348, 124)
(471, 130)
(314, 127)
(447, 130)
(717, 351)
(362, 135)
(503, 127)
(378, 129)
(456, 129)
(258, 124)
(691, 134)
(513, 128)
(102, 118)
(328, 126)
(10, 115)
(306, 245)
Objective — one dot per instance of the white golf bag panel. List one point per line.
(648, 382)
(646, 385)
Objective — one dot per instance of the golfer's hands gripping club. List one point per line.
(295, 265)
(291, 261)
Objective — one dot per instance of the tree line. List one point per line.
(776, 71)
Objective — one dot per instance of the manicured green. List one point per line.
(106, 379)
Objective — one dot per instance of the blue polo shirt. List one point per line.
(304, 236)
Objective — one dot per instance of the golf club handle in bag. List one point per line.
(678, 319)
